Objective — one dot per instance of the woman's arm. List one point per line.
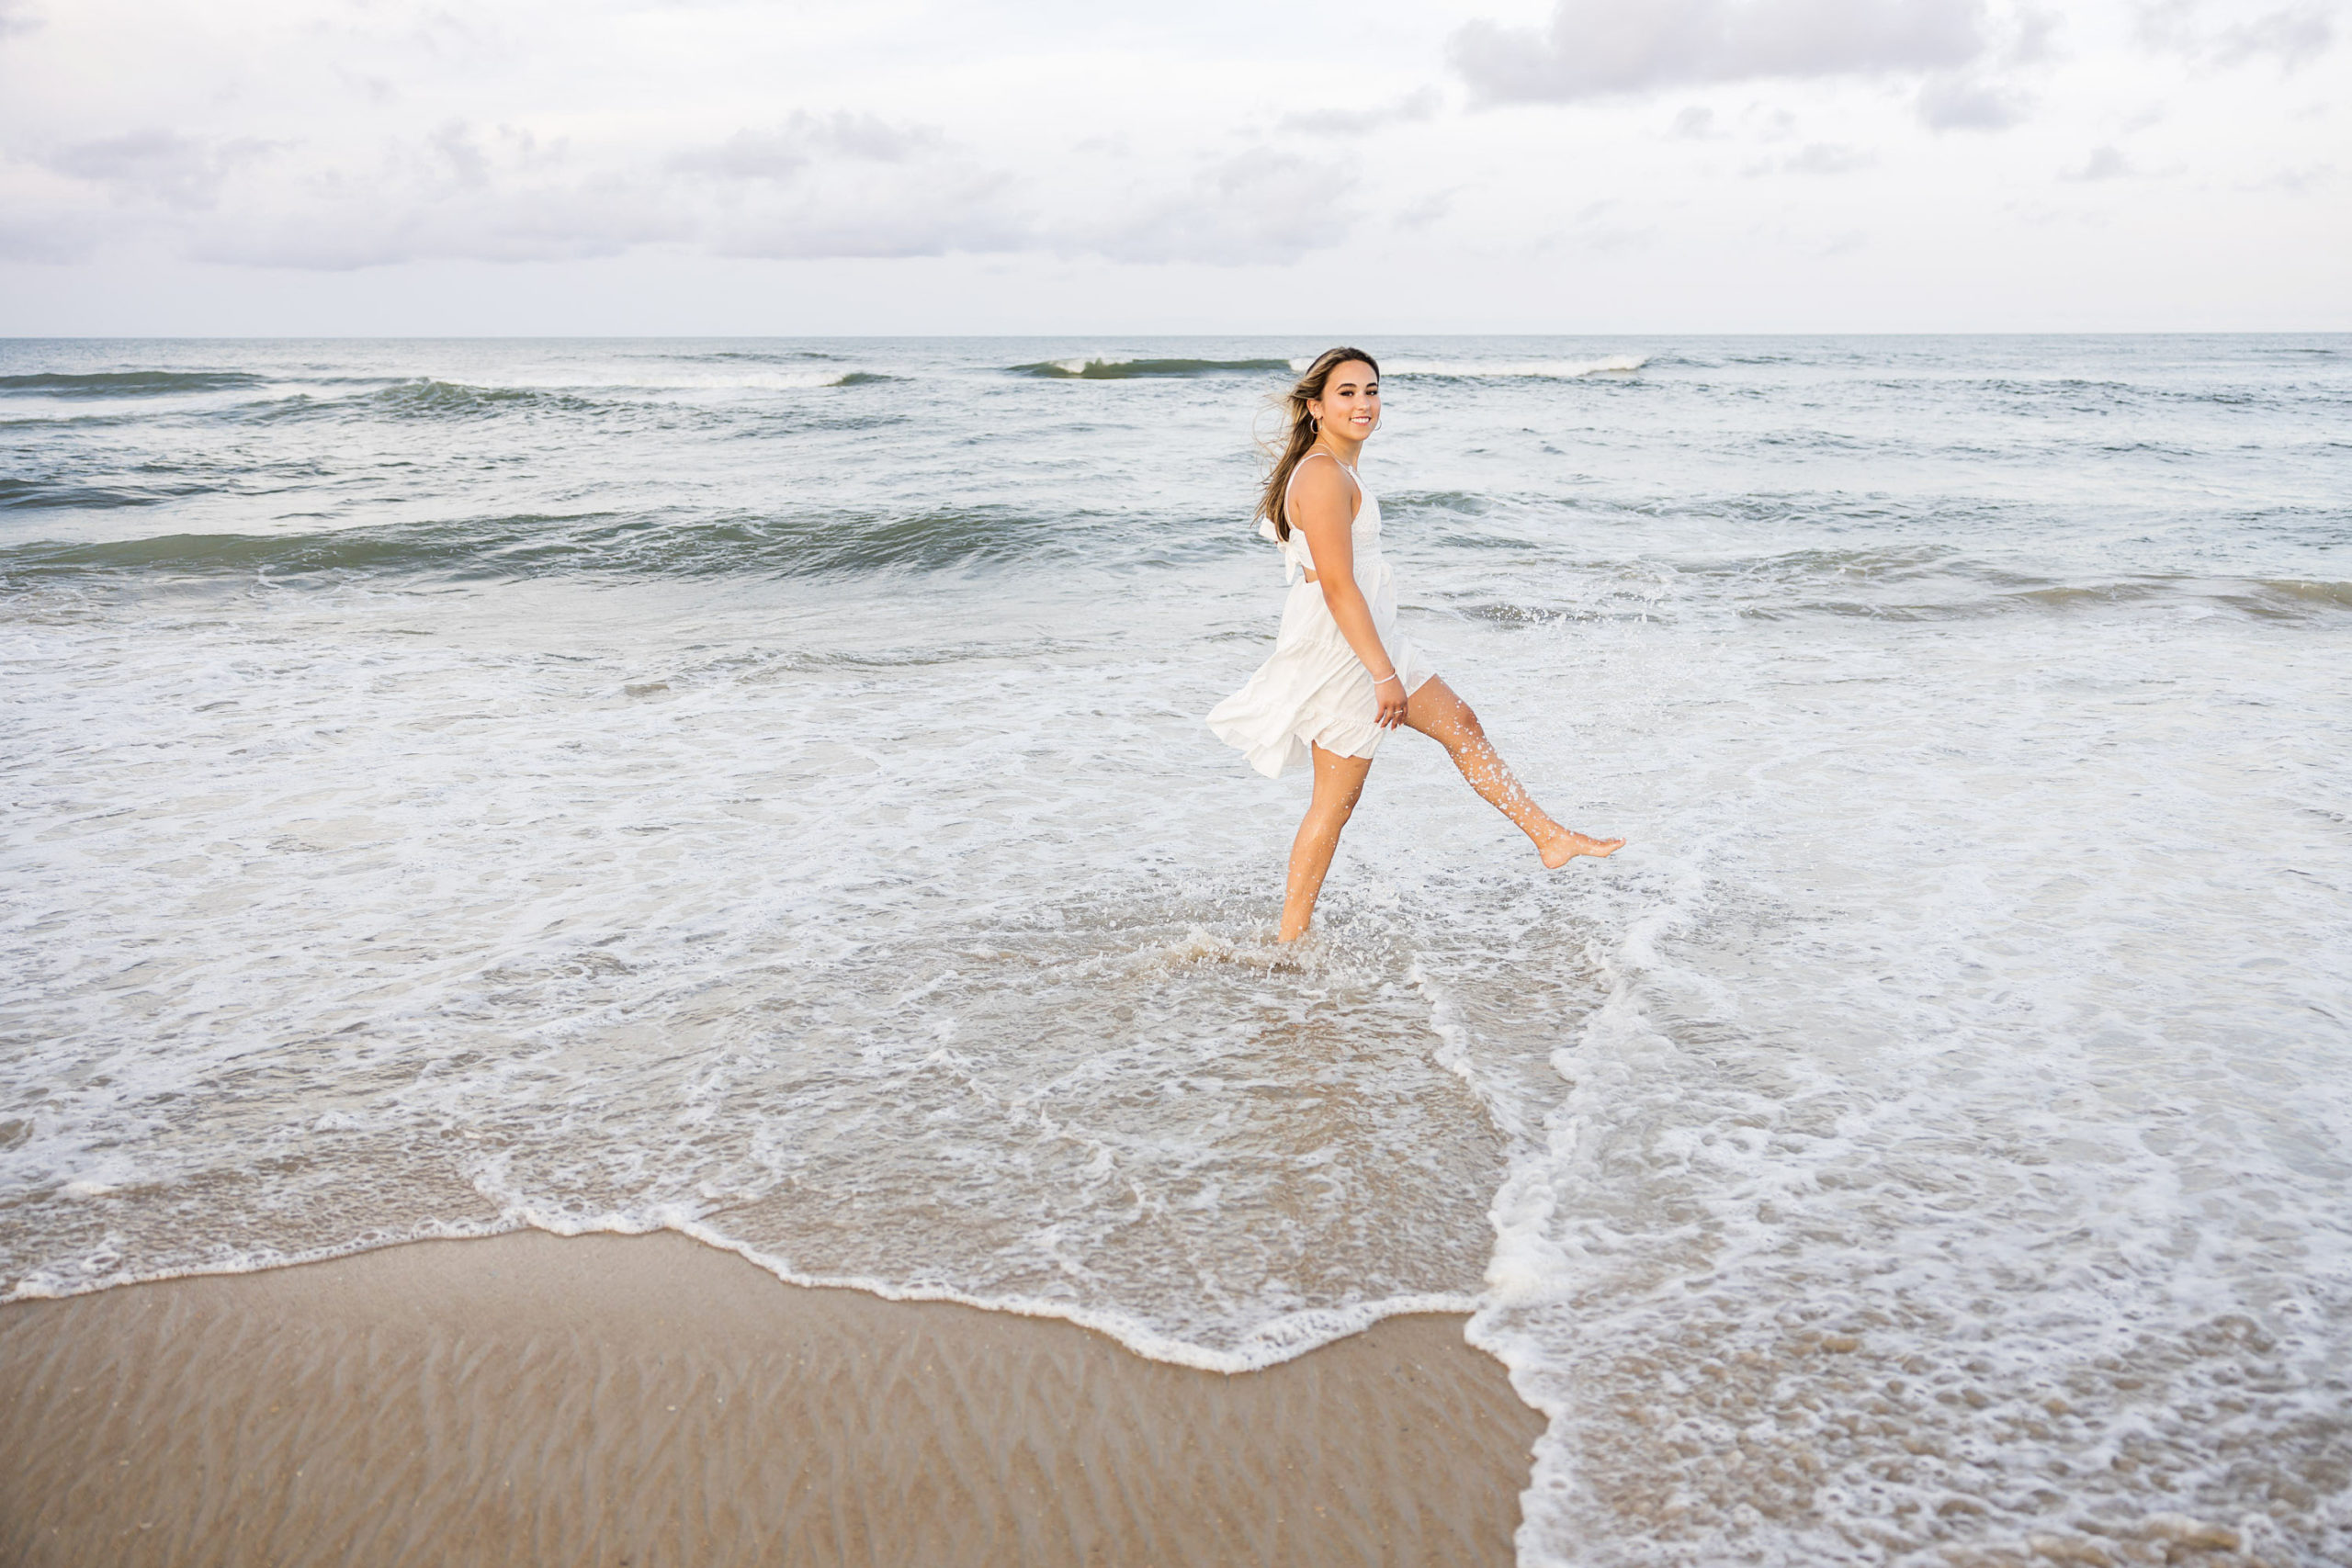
(1324, 504)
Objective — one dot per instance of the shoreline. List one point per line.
(649, 1400)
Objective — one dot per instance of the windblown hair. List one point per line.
(1298, 438)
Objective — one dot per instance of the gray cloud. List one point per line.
(811, 187)
(462, 152)
(926, 211)
(1411, 108)
(1951, 101)
(155, 165)
(1597, 47)
(1259, 207)
(493, 222)
(454, 192)
(1827, 158)
(1814, 158)
(749, 155)
(33, 235)
(1696, 122)
(787, 151)
(2293, 35)
(815, 185)
(846, 184)
(18, 17)
(880, 236)
(2298, 182)
(1424, 212)
(1592, 229)
(2105, 163)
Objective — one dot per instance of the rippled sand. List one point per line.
(527, 1399)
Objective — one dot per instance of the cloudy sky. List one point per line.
(1203, 165)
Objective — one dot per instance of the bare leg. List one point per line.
(1338, 782)
(1436, 712)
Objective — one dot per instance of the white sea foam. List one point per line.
(715, 380)
(1541, 369)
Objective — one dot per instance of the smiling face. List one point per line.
(1350, 405)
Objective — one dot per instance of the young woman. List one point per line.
(1343, 674)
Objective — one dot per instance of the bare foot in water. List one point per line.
(1565, 844)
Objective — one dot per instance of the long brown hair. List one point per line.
(1299, 438)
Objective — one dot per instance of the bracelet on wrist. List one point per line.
(1392, 675)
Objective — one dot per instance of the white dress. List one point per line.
(1314, 690)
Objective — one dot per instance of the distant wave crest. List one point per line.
(308, 396)
(1543, 369)
(38, 494)
(1127, 369)
(1448, 369)
(127, 383)
(608, 544)
(428, 398)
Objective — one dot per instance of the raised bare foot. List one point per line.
(1563, 844)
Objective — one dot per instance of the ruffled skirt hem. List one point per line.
(1302, 697)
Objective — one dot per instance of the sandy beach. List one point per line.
(648, 1400)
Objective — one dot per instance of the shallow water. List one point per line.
(759, 789)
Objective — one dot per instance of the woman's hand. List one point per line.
(1390, 695)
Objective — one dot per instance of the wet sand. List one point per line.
(647, 1400)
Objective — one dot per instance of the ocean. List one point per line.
(758, 789)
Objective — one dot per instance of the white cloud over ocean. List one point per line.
(1485, 164)
(1593, 47)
